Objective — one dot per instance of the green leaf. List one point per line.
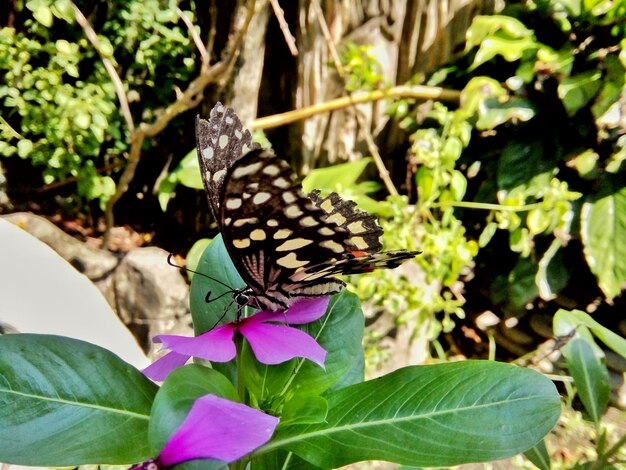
(494, 112)
(603, 232)
(280, 459)
(521, 287)
(24, 147)
(566, 322)
(186, 173)
(590, 375)
(438, 415)
(82, 120)
(521, 161)
(487, 234)
(552, 274)
(336, 177)
(195, 253)
(190, 177)
(41, 12)
(304, 410)
(510, 49)
(165, 191)
(539, 456)
(215, 262)
(65, 402)
(340, 332)
(538, 220)
(477, 91)
(178, 393)
(578, 90)
(484, 26)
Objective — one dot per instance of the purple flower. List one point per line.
(217, 429)
(271, 343)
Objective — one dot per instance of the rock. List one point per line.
(151, 296)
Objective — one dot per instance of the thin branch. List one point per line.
(284, 27)
(416, 91)
(108, 65)
(204, 53)
(185, 100)
(369, 140)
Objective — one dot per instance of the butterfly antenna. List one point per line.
(171, 263)
(223, 314)
(208, 298)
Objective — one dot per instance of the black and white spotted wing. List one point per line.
(288, 245)
(285, 244)
(221, 140)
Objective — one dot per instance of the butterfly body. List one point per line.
(286, 245)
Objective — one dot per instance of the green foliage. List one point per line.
(58, 104)
(411, 415)
(547, 164)
(446, 252)
(363, 72)
(586, 363)
(575, 91)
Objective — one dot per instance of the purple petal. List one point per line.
(302, 312)
(274, 344)
(216, 345)
(161, 368)
(219, 429)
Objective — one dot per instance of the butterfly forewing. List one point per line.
(273, 231)
(221, 140)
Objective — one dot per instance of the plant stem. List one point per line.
(486, 206)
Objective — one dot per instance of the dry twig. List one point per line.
(416, 91)
(284, 27)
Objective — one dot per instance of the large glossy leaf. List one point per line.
(67, 402)
(280, 459)
(445, 414)
(603, 230)
(590, 375)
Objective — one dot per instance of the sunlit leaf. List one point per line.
(439, 415)
(603, 231)
(65, 402)
(586, 365)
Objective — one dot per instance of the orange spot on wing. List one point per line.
(358, 253)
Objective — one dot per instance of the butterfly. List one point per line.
(285, 244)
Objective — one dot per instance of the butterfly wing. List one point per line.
(285, 244)
(221, 141)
